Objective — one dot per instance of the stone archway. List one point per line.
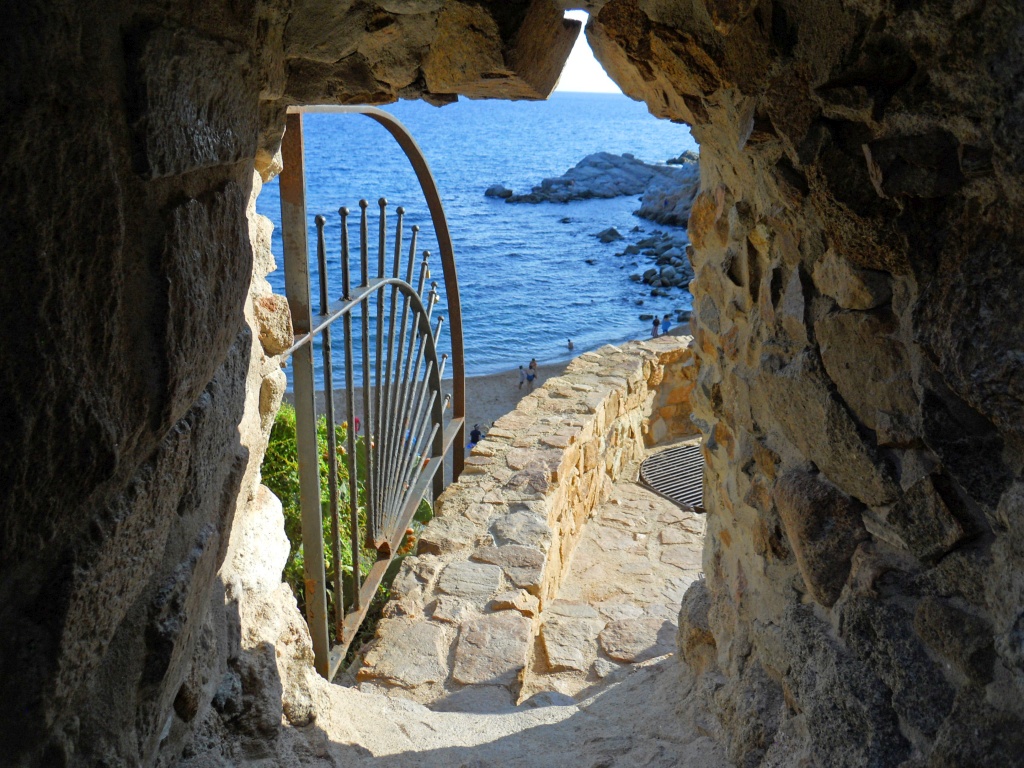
(857, 280)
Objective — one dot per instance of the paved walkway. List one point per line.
(620, 601)
(605, 689)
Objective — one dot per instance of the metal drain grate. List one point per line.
(677, 474)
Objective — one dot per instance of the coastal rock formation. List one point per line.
(498, 191)
(668, 199)
(603, 174)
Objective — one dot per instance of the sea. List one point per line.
(531, 276)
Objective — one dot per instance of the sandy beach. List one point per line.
(488, 398)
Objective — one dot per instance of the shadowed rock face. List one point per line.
(858, 286)
(861, 349)
(138, 379)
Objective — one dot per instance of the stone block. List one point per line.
(963, 640)
(274, 323)
(882, 635)
(492, 649)
(471, 55)
(695, 641)
(196, 110)
(849, 704)
(823, 527)
(922, 521)
(452, 609)
(448, 534)
(524, 566)
(870, 367)
(205, 243)
(634, 640)
(798, 398)
(521, 601)
(569, 641)
(476, 582)
(407, 653)
(523, 527)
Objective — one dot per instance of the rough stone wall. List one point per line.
(135, 398)
(466, 613)
(858, 283)
(856, 245)
(670, 413)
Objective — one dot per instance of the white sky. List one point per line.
(582, 72)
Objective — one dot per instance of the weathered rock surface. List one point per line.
(852, 326)
(491, 649)
(823, 528)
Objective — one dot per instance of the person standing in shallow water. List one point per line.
(666, 325)
(655, 327)
(571, 347)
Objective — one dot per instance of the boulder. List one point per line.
(497, 190)
(668, 199)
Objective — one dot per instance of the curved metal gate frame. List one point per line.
(307, 326)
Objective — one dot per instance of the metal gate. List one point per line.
(388, 325)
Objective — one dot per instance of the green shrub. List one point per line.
(281, 475)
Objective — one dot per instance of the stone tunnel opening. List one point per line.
(857, 339)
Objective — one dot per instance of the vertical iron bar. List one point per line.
(438, 415)
(416, 467)
(296, 266)
(380, 534)
(332, 437)
(390, 432)
(364, 265)
(416, 389)
(350, 402)
(410, 458)
(400, 386)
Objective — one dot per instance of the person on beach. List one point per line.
(531, 374)
(571, 347)
(654, 328)
(474, 437)
(666, 325)
(522, 376)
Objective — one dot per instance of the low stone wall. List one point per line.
(670, 411)
(465, 610)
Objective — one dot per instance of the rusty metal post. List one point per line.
(296, 275)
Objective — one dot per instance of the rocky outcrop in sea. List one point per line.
(667, 199)
(667, 190)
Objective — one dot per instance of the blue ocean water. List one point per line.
(524, 279)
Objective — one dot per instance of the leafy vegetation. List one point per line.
(281, 474)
